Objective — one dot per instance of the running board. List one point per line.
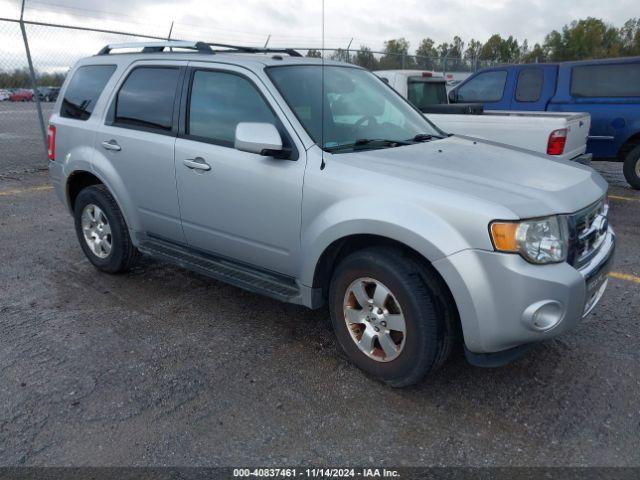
(272, 285)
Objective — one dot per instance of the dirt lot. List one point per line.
(166, 367)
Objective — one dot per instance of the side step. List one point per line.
(272, 285)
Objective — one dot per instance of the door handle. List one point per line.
(197, 163)
(111, 145)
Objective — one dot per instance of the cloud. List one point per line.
(295, 23)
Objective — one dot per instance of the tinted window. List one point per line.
(219, 101)
(486, 87)
(84, 90)
(610, 80)
(146, 98)
(422, 94)
(529, 85)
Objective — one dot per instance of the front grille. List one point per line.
(587, 229)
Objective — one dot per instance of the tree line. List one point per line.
(20, 78)
(581, 39)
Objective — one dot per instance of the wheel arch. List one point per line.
(340, 248)
(81, 178)
(629, 144)
(357, 221)
(344, 246)
(77, 181)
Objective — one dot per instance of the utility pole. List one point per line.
(348, 46)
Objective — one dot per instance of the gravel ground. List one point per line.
(20, 137)
(165, 367)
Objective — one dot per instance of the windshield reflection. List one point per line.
(357, 111)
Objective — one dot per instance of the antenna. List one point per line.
(322, 152)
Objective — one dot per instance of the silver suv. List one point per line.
(315, 183)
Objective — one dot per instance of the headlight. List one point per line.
(543, 240)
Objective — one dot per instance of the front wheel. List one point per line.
(391, 315)
(631, 168)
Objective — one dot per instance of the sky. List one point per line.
(298, 23)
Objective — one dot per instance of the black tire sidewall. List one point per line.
(422, 323)
(629, 168)
(97, 196)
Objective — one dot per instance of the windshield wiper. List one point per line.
(423, 137)
(381, 141)
(369, 143)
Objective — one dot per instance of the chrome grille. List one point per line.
(588, 231)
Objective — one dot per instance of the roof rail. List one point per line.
(159, 46)
(200, 47)
(240, 49)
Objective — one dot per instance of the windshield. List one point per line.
(359, 109)
(425, 93)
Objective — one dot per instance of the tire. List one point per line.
(416, 292)
(631, 168)
(121, 254)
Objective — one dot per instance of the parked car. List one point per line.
(4, 95)
(314, 183)
(48, 94)
(21, 96)
(563, 135)
(609, 90)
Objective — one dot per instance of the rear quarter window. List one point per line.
(606, 80)
(84, 89)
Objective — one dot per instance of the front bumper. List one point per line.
(496, 294)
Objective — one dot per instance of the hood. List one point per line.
(527, 183)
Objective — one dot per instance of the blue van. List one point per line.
(607, 89)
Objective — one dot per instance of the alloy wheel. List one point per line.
(374, 319)
(96, 230)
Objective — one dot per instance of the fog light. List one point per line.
(543, 315)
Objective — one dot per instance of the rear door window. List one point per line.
(529, 86)
(146, 99)
(485, 87)
(606, 80)
(84, 89)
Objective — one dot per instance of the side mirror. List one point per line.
(260, 138)
(453, 96)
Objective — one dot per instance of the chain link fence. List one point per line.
(35, 57)
(34, 60)
(373, 60)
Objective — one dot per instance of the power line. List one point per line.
(259, 36)
(81, 9)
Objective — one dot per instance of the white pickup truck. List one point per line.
(561, 134)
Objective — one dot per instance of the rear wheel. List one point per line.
(632, 168)
(102, 230)
(390, 315)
